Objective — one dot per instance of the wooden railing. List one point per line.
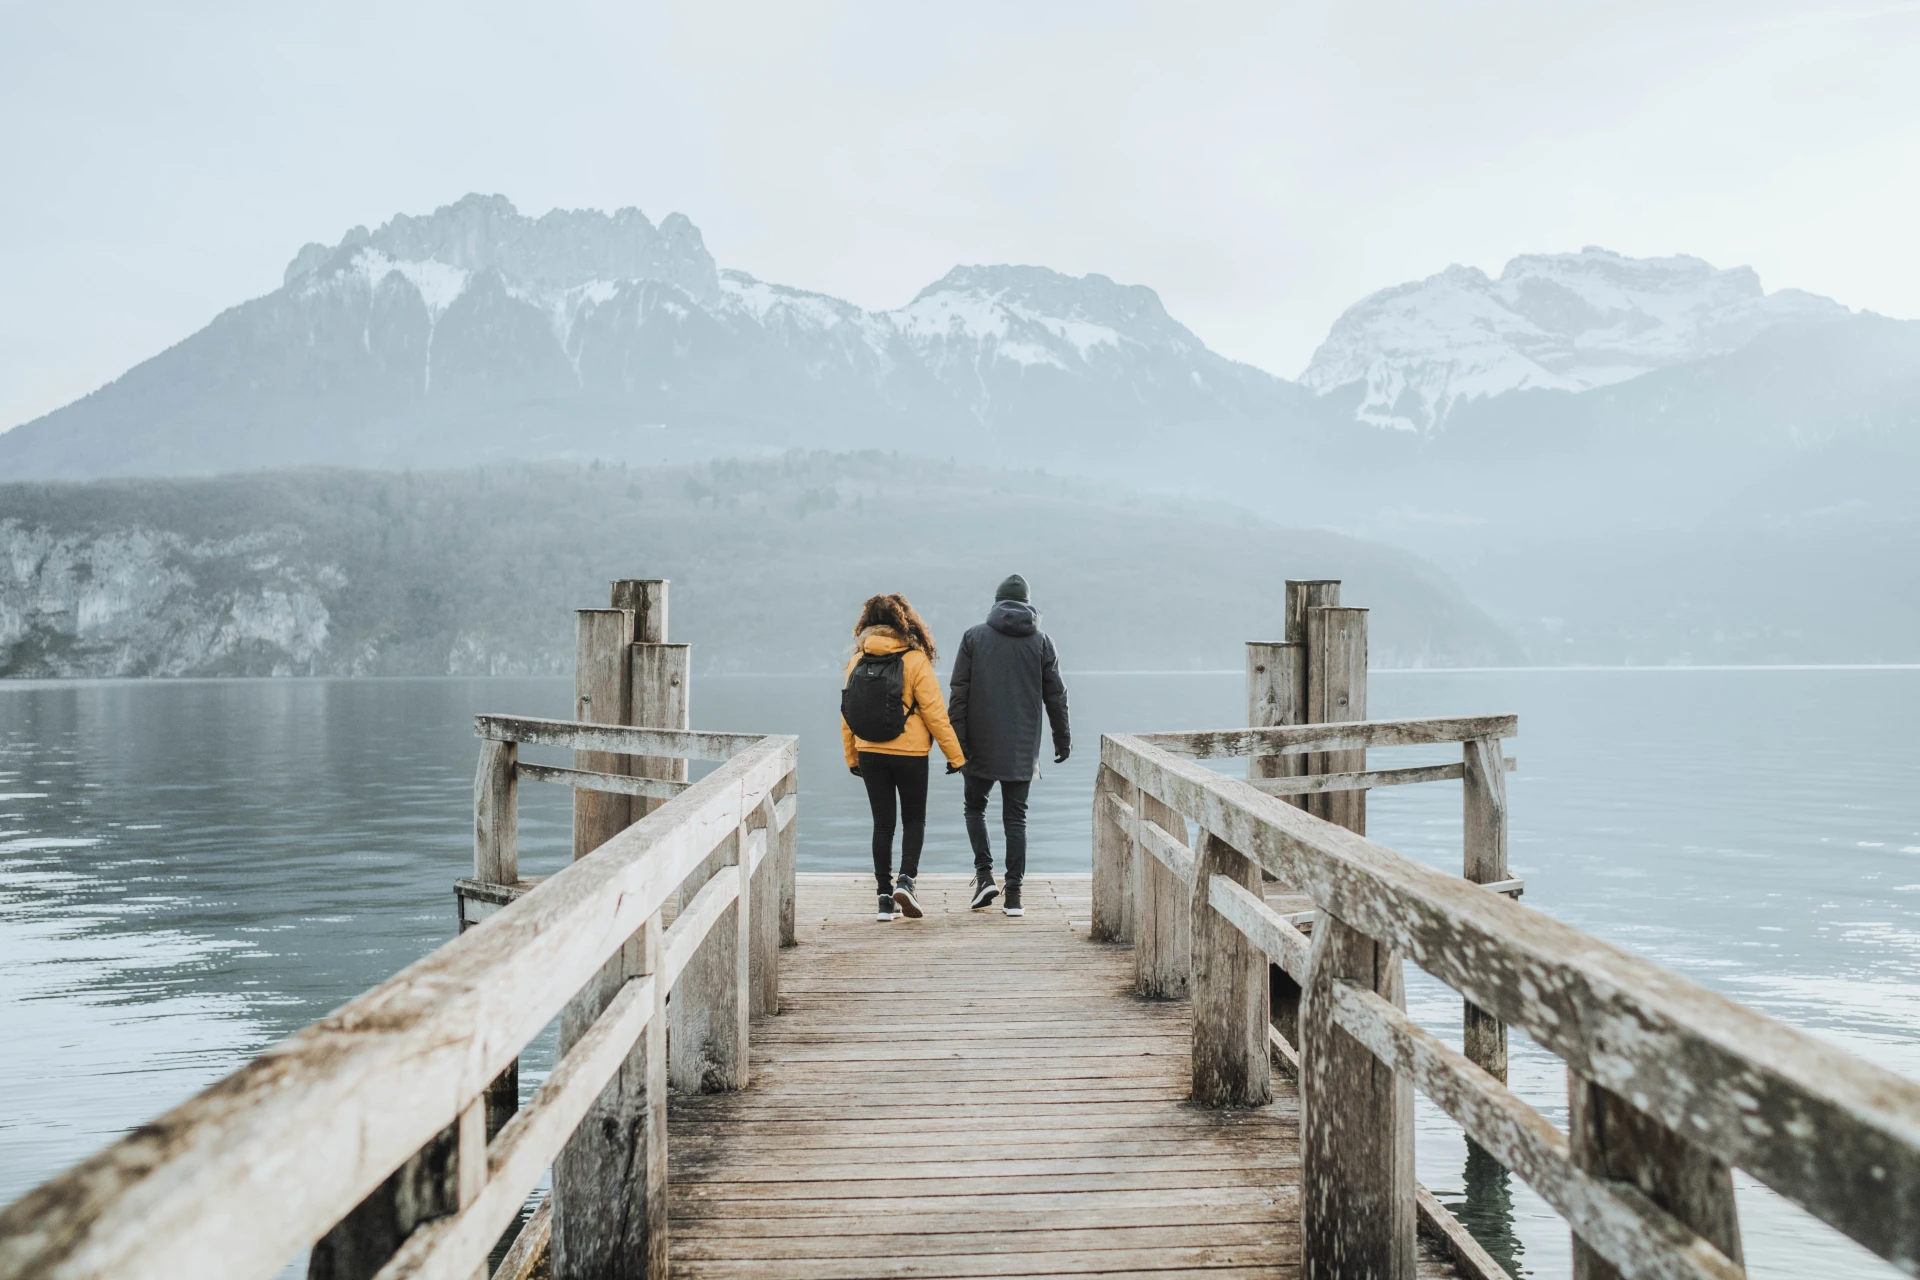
(382, 1135)
(1671, 1085)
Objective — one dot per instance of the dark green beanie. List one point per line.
(1014, 588)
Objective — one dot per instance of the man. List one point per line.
(1005, 672)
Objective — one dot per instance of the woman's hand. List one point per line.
(854, 769)
(953, 769)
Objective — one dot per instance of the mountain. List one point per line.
(478, 571)
(1409, 357)
(476, 333)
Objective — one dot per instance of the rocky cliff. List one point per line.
(143, 601)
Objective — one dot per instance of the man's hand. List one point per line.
(1060, 754)
(854, 769)
(953, 769)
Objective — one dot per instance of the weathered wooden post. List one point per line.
(1336, 693)
(1614, 1140)
(657, 682)
(600, 695)
(1304, 595)
(1229, 982)
(1484, 861)
(1357, 1210)
(1277, 695)
(427, 1186)
(764, 913)
(1162, 924)
(712, 999)
(1356, 1131)
(1112, 863)
(789, 846)
(609, 1181)
(496, 860)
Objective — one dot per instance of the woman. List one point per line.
(891, 714)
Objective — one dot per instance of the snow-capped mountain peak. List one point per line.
(1029, 315)
(561, 250)
(1566, 321)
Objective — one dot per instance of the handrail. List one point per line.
(234, 1182)
(1309, 784)
(620, 739)
(1836, 1135)
(1352, 735)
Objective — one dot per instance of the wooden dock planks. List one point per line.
(974, 1095)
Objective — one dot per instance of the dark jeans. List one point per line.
(887, 776)
(1013, 816)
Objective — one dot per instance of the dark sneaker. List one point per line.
(984, 889)
(903, 898)
(887, 910)
(1011, 905)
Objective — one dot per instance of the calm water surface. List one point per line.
(192, 870)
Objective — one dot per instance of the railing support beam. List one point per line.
(1277, 695)
(1112, 864)
(427, 1186)
(496, 860)
(787, 850)
(1613, 1140)
(610, 1180)
(1229, 979)
(712, 998)
(763, 915)
(1357, 1209)
(1162, 913)
(1484, 861)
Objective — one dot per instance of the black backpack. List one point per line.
(873, 702)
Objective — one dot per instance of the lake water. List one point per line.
(191, 870)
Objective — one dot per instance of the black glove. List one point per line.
(952, 769)
(854, 769)
(1061, 751)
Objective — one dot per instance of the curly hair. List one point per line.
(896, 614)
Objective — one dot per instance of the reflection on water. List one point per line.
(191, 870)
(1486, 1207)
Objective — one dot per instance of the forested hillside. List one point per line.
(477, 571)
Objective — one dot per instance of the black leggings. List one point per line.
(885, 775)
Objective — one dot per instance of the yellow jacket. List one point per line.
(927, 710)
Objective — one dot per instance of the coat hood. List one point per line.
(1014, 618)
(882, 640)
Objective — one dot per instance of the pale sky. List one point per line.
(1261, 165)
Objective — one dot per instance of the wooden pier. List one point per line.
(1194, 1059)
(973, 1095)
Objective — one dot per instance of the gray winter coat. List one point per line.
(1005, 672)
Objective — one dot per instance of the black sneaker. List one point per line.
(887, 910)
(903, 898)
(1012, 903)
(984, 889)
